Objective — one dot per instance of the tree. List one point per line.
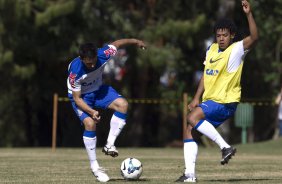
(39, 38)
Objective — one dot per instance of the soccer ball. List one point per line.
(131, 169)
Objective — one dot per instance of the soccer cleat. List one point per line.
(112, 151)
(101, 175)
(189, 178)
(227, 154)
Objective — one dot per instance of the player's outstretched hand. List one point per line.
(246, 6)
(141, 44)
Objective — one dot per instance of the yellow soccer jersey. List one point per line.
(222, 73)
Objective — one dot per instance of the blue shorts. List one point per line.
(100, 98)
(217, 113)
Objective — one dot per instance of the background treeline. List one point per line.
(38, 39)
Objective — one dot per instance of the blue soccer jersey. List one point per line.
(85, 80)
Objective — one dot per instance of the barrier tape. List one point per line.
(63, 99)
(177, 101)
(138, 101)
(260, 103)
(153, 101)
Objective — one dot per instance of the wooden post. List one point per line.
(55, 116)
(185, 112)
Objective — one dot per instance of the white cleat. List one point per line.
(112, 151)
(101, 174)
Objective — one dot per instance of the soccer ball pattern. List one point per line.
(131, 169)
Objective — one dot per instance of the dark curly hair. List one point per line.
(225, 23)
(88, 50)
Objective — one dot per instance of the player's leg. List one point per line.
(219, 113)
(107, 97)
(118, 121)
(90, 140)
(205, 127)
(190, 148)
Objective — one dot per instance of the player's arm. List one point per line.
(129, 41)
(196, 100)
(83, 106)
(250, 40)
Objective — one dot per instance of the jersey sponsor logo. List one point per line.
(88, 84)
(72, 77)
(110, 52)
(212, 72)
(213, 61)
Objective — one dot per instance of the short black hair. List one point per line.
(225, 23)
(88, 50)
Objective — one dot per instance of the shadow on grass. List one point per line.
(123, 180)
(242, 179)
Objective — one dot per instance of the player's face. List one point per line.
(90, 62)
(223, 38)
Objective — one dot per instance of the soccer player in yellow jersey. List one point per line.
(220, 90)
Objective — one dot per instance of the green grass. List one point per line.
(254, 163)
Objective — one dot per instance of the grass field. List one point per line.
(254, 163)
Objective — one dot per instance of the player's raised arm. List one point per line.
(250, 40)
(130, 41)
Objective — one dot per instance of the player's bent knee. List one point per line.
(192, 119)
(195, 116)
(89, 124)
(122, 105)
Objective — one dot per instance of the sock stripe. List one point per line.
(120, 115)
(199, 124)
(189, 140)
(90, 134)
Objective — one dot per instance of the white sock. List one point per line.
(208, 130)
(90, 145)
(190, 156)
(117, 125)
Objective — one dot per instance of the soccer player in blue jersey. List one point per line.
(86, 92)
(220, 90)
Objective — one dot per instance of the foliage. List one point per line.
(268, 17)
(39, 38)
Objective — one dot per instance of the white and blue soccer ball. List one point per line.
(131, 169)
